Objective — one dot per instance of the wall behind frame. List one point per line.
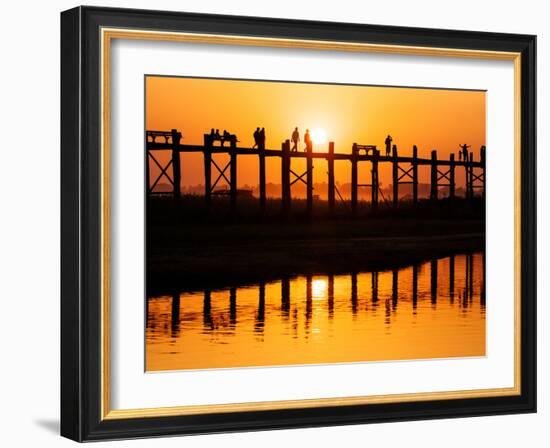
(29, 228)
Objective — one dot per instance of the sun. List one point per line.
(318, 136)
(319, 289)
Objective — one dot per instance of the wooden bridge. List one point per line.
(404, 169)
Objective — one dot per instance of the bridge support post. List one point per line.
(207, 170)
(354, 178)
(395, 177)
(331, 186)
(433, 165)
(176, 167)
(233, 174)
(471, 179)
(309, 179)
(452, 177)
(285, 176)
(261, 148)
(374, 180)
(415, 175)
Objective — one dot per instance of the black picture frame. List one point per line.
(81, 224)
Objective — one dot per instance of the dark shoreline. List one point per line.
(251, 263)
(189, 248)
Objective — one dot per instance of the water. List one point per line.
(366, 316)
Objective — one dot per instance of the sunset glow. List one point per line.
(319, 136)
(429, 118)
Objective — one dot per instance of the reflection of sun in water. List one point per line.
(318, 136)
(319, 289)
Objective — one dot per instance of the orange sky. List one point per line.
(431, 119)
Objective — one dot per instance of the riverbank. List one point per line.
(192, 256)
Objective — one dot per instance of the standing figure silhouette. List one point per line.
(388, 145)
(464, 148)
(307, 140)
(256, 138)
(295, 140)
(261, 139)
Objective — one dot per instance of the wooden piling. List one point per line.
(262, 182)
(471, 174)
(354, 178)
(176, 167)
(395, 176)
(207, 170)
(433, 165)
(309, 179)
(233, 174)
(452, 177)
(285, 176)
(374, 180)
(331, 184)
(415, 175)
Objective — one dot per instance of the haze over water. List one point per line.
(356, 317)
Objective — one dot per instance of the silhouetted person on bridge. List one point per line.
(295, 140)
(256, 138)
(388, 145)
(464, 148)
(217, 134)
(226, 136)
(261, 139)
(307, 140)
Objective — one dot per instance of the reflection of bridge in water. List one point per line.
(462, 293)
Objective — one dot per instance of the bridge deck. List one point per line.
(156, 146)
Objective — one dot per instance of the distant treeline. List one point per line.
(320, 190)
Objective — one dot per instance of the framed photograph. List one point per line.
(276, 223)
